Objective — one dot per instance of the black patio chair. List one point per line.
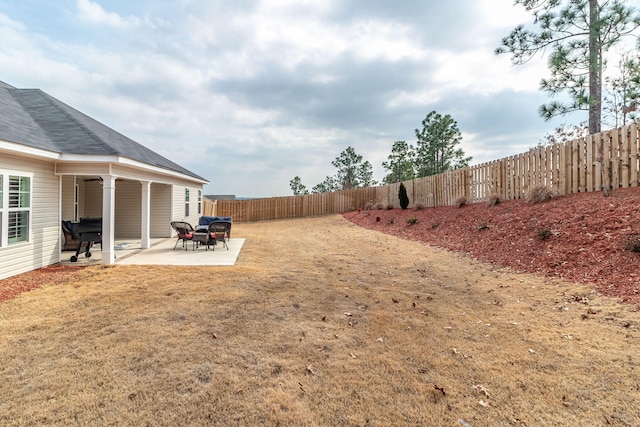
(185, 232)
(218, 232)
(204, 222)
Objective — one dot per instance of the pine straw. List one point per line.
(319, 323)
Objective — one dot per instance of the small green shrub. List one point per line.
(411, 221)
(402, 195)
(419, 206)
(632, 243)
(544, 234)
(541, 194)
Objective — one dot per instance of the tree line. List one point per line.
(577, 35)
(436, 151)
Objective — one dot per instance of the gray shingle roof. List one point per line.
(33, 118)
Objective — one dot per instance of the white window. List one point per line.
(15, 208)
(186, 202)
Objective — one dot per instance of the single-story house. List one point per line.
(58, 164)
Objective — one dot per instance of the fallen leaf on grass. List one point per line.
(483, 403)
(348, 313)
(481, 389)
(311, 370)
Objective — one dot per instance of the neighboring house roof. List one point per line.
(220, 196)
(33, 118)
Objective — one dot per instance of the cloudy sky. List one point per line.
(251, 93)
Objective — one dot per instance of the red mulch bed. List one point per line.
(579, 238)
(53, 274)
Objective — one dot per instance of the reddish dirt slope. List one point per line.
(579, 238)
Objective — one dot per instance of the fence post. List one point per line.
(633, 154)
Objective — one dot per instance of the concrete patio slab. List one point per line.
(164, 254)
(161, 252)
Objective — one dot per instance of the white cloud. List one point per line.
(389, 41)
(277, 88)
(93, 13)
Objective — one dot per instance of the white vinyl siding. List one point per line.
(160, 211)
(179, 205)
(128, 212)
(42, 247)
(92, 203)
(68, 199)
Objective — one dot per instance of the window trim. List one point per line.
(186, 202)
(6, 209)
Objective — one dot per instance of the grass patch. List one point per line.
(461, 202)
(337, 326)
(494, 200)
(541, 194)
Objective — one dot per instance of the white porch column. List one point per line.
(108, 218)
(145, 240)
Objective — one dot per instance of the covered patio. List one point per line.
(131, 208)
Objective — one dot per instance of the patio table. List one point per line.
(200, 237)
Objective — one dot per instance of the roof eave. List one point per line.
(37, 153)
(27, 151)
(125, 161)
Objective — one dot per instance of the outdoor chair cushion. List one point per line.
(184, 232)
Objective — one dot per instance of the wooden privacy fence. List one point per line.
(604, 161)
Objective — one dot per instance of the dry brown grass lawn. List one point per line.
(319, 323)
